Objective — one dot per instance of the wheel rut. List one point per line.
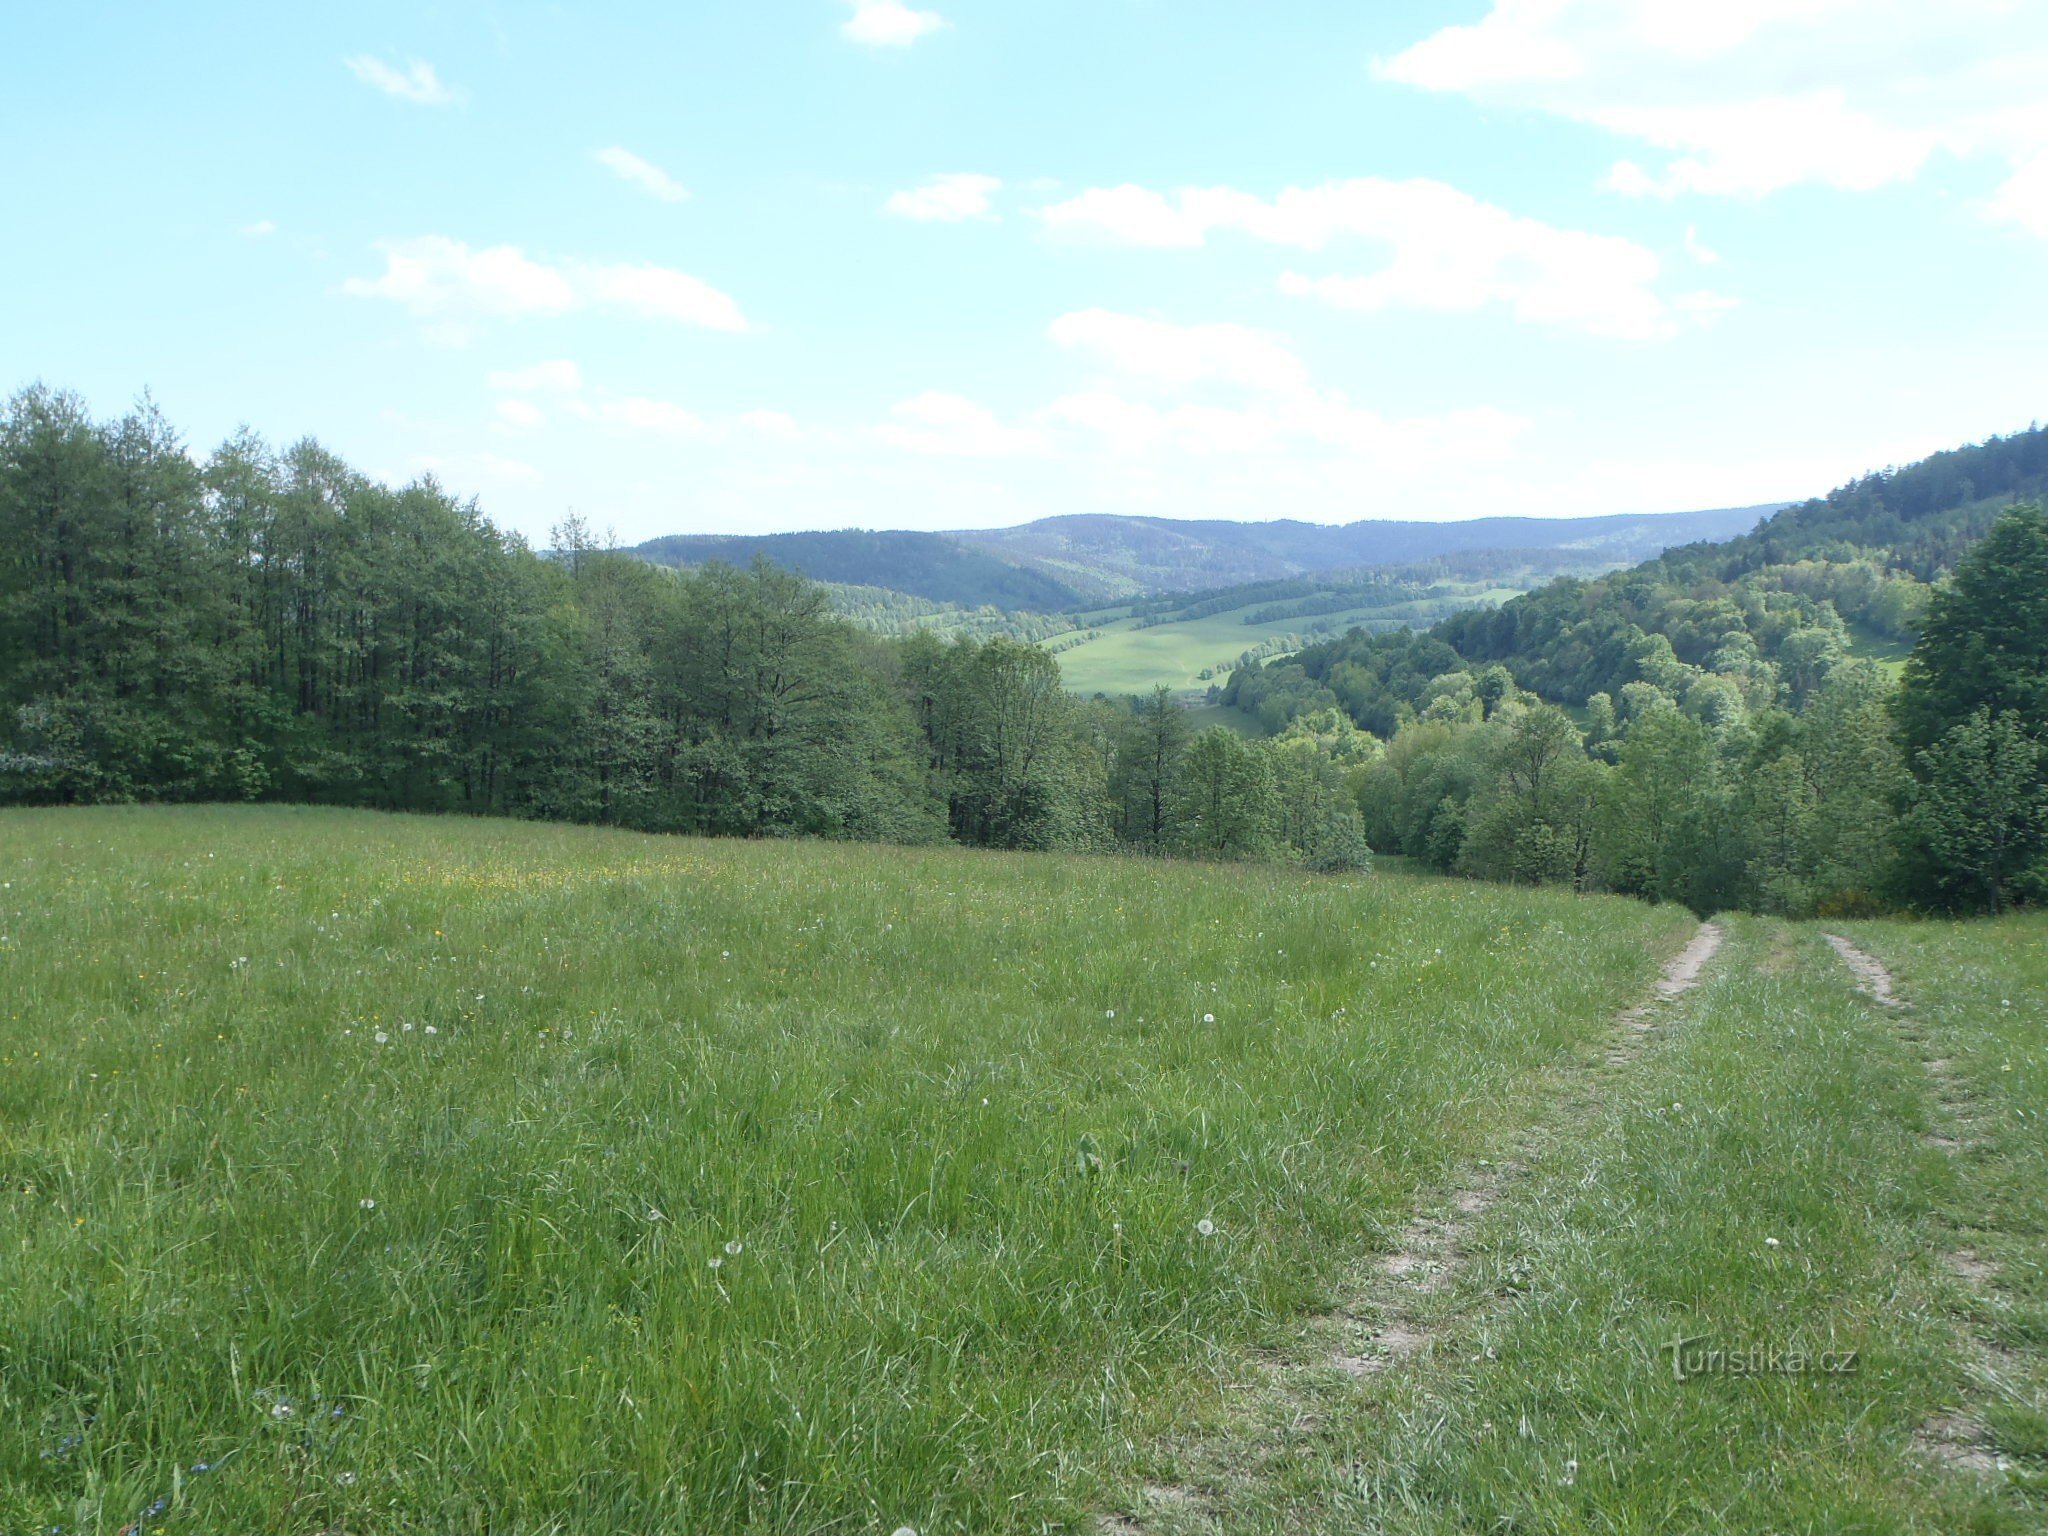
(1394, 1318)
(1954, 1438)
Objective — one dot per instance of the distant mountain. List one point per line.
(1060, 564)
(1157, 554)
(937, 566)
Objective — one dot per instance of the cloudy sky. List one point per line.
(762, 264)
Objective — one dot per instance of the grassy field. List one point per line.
(1753, 1278)
(1125, 659)
(367, 1174)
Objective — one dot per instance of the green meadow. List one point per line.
(1126, 658)
(389, 1174)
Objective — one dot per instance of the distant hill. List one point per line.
(1061, 564)
(936, 566)
(1157, 554)
(1758, 620)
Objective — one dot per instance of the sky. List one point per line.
(759, 265)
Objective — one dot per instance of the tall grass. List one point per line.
(382, 1174)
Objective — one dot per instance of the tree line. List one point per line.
(273, 625)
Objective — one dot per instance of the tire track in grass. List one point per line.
(1431, 1252)
(1396, 1317)
(1955, 1439)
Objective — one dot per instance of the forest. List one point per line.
(1727, 725)
(272, 625)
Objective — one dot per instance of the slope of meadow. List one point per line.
(373, 1173)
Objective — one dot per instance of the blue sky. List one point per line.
(952, 263)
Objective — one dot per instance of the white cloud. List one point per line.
(416, 83)
(260, 229)
(523, 415)
(948, 199)
(1445, 249)
(2023, 199)
(644, 174)
(1749, 97)
(1183, 355)
(778, 425)
(1130, 215)
(558, 377)
(663, 418)
(1705, 306)
(950, 426)
(1699, 250)
(889, 23)
(435, 276)
(662, 293)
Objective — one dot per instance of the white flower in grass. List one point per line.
(366, 1204)
(1111, 1014)
(1206, 1227)
(345, 1479)
(382, 1037)
(904, 1530)
(1208, 1018)
(1770, 1242)
(280, 1410)
(1571, 1472)
(433, 1029)
(716, 1261)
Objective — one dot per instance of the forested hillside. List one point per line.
(1735, 735)
(934, 566)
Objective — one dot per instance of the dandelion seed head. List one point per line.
(1206, 1227)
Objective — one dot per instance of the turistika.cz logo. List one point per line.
(1695, 1357)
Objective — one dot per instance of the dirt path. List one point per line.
(1953, 1439)
(1431, 1251)
(1396, 1312)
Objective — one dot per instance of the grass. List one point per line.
(371, 1174)
(1125, 659)
(1887, 652)
(1980, 992)
(1756, 1180)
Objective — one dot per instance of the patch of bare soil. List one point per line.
(1872, 979)
(1958, 1442)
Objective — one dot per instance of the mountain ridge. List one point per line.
(1075, 561)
